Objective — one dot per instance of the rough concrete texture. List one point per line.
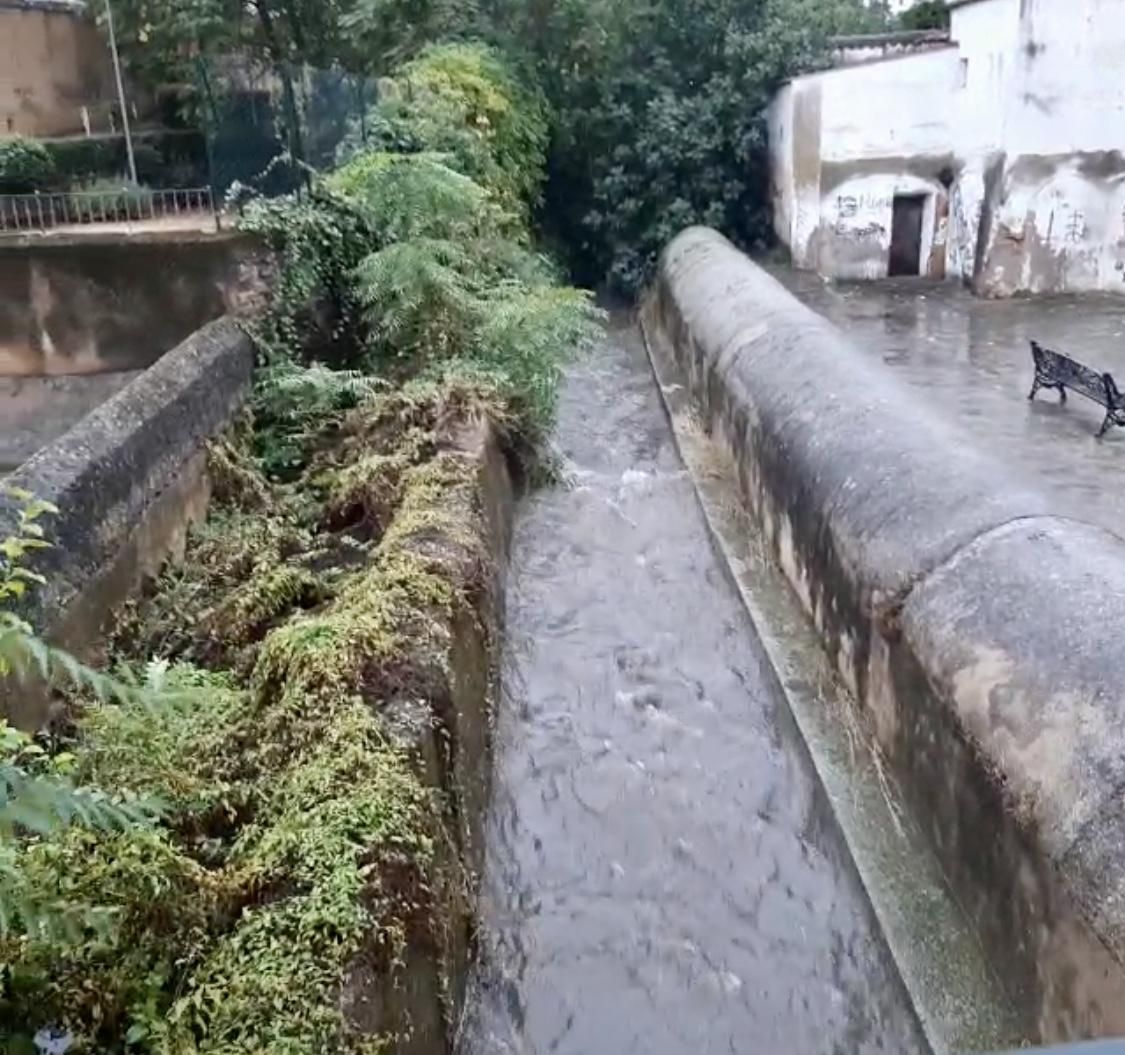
(448, 734)
(108, 472)
(861, 490)
(978, 630)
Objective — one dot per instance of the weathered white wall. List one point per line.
(884, 130)
(1059, 219)
(794, 121)
(987, 34)
(1025, 111)
(779, 119)
(896, 108)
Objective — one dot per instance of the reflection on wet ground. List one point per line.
(971, 357)
(662, 875)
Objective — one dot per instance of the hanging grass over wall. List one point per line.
(296, 842)
(419, 252)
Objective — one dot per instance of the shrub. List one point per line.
(410, 196)
(120, 199)
(26, 166)
(926, 14)
(461, 100)
(659, 115)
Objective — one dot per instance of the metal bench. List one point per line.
(1055, 370)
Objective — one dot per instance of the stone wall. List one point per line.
(90, 305)
(978, 630)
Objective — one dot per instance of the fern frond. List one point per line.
(420, 297)
(416, 196)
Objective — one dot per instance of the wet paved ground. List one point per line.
(972, 359)
(662, 876)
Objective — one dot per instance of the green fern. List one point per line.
(416, 196)
(291, 403)
(420, 298)
(527, 336)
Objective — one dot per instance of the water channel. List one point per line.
(663, 871)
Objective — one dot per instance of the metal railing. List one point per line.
(41, 212)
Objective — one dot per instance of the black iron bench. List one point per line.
(1055, 370)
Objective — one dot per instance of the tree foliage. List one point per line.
(660, 114)
(25, 166)
(420, 250)
(926, 14)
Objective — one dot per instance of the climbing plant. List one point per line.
(418, 254)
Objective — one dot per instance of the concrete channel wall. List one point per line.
(128, 479)
(979, 632)
(97, 301)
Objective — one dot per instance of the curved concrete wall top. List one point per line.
(119, 462)
(895, 489)
(981, 632)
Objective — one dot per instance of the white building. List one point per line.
(995, 155)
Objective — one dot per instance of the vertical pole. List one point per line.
(121, 93)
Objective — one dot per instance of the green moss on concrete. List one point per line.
(299, 845)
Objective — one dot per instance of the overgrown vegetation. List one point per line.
(26, 166)
(225, 870)
(659, 115)
(293, 852)
(926, 14)
(416, 259)
(652, 111)
(292, 845)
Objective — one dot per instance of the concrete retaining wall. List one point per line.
(127, 480)
(979, 632)
(97, 301)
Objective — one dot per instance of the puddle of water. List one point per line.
(663, 871)
(972, 359)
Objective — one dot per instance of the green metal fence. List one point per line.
(263, 125)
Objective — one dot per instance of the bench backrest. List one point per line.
(1056, 368)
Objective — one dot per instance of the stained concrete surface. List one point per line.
(663, 873)
(971, 358)
(35, 411)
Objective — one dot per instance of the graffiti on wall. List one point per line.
(861, 215)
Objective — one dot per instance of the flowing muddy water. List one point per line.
(663, 872)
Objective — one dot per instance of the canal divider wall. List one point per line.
(127, 480)
(978, 631)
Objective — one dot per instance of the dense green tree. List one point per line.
(926, 14)
(660, 113)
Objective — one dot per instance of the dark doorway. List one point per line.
(906, 235)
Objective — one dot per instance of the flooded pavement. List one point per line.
(971, 357)
(663, 872)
